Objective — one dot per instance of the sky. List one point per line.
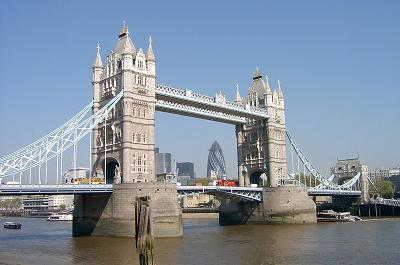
(338, 63)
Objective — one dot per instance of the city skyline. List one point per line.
(354, 58)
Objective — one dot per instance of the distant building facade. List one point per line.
(345, 169)
(163, 163)
(185, 180)
(45, 203)
(216, 167)
(185, 169)
(380, 174)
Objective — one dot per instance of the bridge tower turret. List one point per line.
(261, 144)
(129, 130)
(123, 148)
(97, 71)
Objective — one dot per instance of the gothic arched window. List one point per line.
(140, 80)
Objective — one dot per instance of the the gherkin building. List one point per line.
(216, 167)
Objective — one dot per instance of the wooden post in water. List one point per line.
(144, 231)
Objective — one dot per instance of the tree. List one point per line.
(385, 189)
(307, 179)
(203, 181)
(11, 204)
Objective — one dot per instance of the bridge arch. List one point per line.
(112, 172)
(260, 178)
(109, 170)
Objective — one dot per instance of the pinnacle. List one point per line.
(150, 54)
(97, 61)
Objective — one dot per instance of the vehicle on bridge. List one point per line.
(226, 183)
(88, 181)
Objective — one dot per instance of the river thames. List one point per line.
(205, 242)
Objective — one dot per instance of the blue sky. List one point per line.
(338, 62)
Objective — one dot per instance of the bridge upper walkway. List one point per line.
(189, 103)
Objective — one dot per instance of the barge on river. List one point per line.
(12, 225)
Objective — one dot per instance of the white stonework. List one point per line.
(261, 143)
(129, 130)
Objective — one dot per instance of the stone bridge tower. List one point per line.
(128, 160)
(128, 132)
(261, 152)
(261, 144)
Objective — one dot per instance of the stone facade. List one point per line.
(123, 150)
(261, 145)
(283, 204)
(346, 169)
(128, 132)
(114, 215)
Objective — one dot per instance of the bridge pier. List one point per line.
(114, 214)
(283, 204)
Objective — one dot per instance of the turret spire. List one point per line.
(268, 87)
(97, 61)
(238, 99)
(124, 30)
(150, 54)
(280, 93)
(124, 44)
(257, 75)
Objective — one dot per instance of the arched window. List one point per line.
(140, 80)
(144, 163)
(139, 162)
(134, 163)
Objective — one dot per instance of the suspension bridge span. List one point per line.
(120, 124)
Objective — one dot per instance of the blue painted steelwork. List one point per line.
(7, 190)
(54, 143)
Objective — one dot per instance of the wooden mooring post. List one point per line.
(144, 231)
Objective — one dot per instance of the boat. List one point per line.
(60, 217)
(12, 225)
(332, 216)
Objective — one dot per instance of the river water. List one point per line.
(205, 242)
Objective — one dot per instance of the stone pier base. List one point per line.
(114, 214)
(284, 204)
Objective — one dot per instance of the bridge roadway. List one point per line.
(243, 193)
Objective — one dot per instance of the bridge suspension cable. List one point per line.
(55, 133)
(324, 183)
(56, 142)
(309, 166)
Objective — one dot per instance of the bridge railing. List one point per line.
(217, 101)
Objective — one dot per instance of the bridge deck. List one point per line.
(7, 190)
(245, 192)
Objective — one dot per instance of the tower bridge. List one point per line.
(120, 122)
